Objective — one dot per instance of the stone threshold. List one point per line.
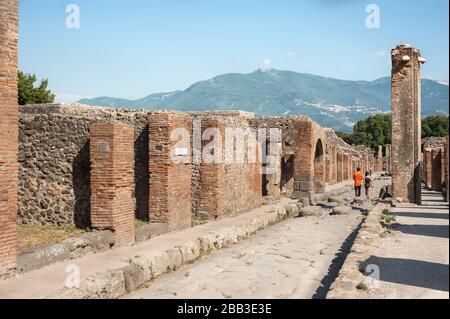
(118, 271)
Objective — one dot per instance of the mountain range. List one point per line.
(330, 102)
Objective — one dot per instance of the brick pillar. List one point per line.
(274, 162)
(347, 168)
(8, 135)
(328, 169)
(339, 167)
(304, 179)
(170, 169)
(406, 124)
(427, 168)
(334, 165)
(211, 171)
(436, 169)
(112, 179)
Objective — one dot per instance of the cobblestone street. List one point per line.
(287, 260)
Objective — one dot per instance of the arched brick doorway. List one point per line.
(319, 167)
(319, 162)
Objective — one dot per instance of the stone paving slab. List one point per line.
(289, 260)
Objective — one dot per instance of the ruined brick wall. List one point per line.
(112, 179)
(8, 134)
(54, 185)
(243, 182)
(227, 187)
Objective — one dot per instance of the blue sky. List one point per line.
(132, 48)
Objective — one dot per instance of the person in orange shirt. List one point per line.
(358, 177)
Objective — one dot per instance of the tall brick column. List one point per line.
(112, 179)
(170, 169)
(8, 134)
(406, 124)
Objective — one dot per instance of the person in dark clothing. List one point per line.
(367, 184)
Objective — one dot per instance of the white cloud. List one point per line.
(291, 55)
(266, 65)
(61, 97)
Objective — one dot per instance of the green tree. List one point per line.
(435, 126)
(376, 130)
(29, 93)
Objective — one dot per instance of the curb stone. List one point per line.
(366, 244)
(145, 267)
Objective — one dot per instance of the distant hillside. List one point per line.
(332, 103)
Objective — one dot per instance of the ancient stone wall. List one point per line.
(54, 163)
(54, 184)
(8, 134)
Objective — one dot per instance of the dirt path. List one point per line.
(294, 259)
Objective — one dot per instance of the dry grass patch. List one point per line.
(31, 236)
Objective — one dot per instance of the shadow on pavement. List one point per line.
(423, 230)
(336, 264)
(411, 272)
(423, 215)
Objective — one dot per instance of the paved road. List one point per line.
(292, 259)
(414, 261)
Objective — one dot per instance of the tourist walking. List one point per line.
(358, 178)
(367, 184)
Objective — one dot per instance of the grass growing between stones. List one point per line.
(140, 222)
(362, 286)
(30, 236)
(387, 217)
